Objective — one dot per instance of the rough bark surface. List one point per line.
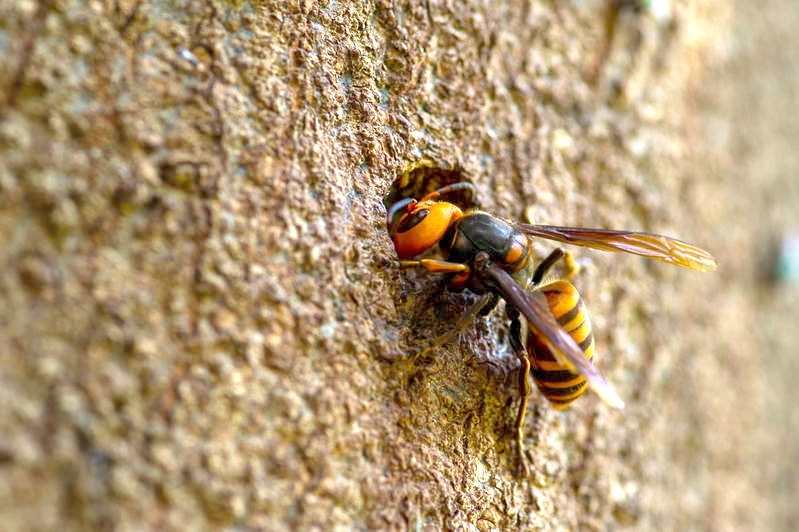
(200, 324)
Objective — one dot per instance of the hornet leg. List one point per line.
(435, 266)
(570, 265)
(459, 327)
(522, 469)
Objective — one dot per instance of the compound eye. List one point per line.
(412, 220)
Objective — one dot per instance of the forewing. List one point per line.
(648, 245)
(533, 305)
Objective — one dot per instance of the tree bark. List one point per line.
(201, 324)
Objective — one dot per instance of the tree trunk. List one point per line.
(201, 324)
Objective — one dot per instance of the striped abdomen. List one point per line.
(556, 382)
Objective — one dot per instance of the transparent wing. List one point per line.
(534, 307)
(648, 245)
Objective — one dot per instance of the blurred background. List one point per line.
(747, 109)
(200, 327)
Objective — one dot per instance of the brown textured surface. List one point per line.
(198, 326)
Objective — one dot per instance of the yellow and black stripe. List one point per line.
(555, 380)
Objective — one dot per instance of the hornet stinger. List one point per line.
(493, 257)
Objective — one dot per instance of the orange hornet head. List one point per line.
(421, 226)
